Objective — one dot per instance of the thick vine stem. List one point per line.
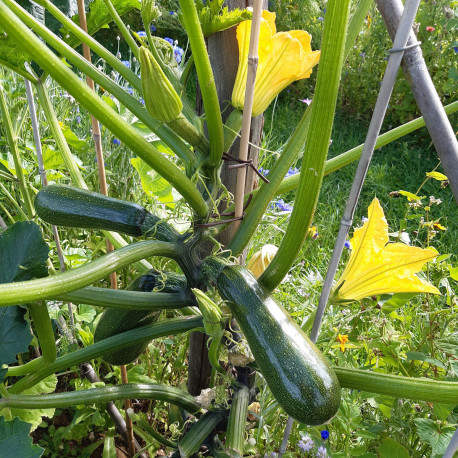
(157, 392)
(417, 389)
(126, 299)
(235, 438)
(111, 344)
(71, 280)
(44, 331)
(206, 80)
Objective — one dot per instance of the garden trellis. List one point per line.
(195, 173)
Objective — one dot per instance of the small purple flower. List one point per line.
(78, 119)
(116, 141)
(324, 434)
(321, 19)
(126, 63)
(306, 444)
(169, 40)
(153, 28)
(455, 48)
(307, 101)
(141, 100)
(362, 54)
(347, 245)
(172, 13)
(129, 90)
(264, 172)
(283, 206)
(141, 33)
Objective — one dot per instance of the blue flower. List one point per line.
(169, 40)
(129, 90)
(153, 28)
(321, 452)
(324, 434)
(455, 48)
(126, 63)
(347, 245)
(78, 119)
(320, 19)
(292, 171)
(141, 33)
(172, 13)
(141, 100)
(116, 141)
(178, 53)
(283, 206)
(263, 171)
(362, 54)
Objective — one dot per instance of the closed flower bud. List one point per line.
(150, 12)
(261, 259)
(161, 99)
(210, 311)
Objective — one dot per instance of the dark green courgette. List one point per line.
(73, 207)
(300, 378)
(115, 321)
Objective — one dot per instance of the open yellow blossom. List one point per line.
(284, 57)
(378, 267)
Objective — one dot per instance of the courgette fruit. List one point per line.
(298, 375)
(114, 321)
(73, 207)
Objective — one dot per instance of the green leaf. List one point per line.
(34, 416)
(85, 313)
(392, 449)
(15, 335)
(72, 139)
(214, 18)
(448, 344)
(430, 432)
(99, 16)
(15, 439)
(454, 272)
(442, 411)
(152, 183)
(23, 253)
(437, 176)
(410, 196)
(396, 301)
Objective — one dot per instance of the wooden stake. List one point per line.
(248, 106)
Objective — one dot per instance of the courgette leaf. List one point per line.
(15, 439)
(23, 255)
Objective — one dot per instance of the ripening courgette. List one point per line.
(115, 321)
(300, 378)
(73, 207)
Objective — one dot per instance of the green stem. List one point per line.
(45, 334)
(134, 300)
(316, 148)
(157, 392)
(125, 132)
(170, 327)
(235, 438)
(417, 389)
(198, 433)
(12, 144)
(145, 426)
(125, 32)
(71, 280)
(206, 81)
(232, 128)
(56, 131)
(24, 369)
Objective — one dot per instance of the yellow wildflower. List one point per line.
(342, 339)
(284, 57)
(378, 267)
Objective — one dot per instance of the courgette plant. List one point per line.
(303, 382)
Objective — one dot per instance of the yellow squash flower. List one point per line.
(261, 259)
(378, 267)
(284, 57)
